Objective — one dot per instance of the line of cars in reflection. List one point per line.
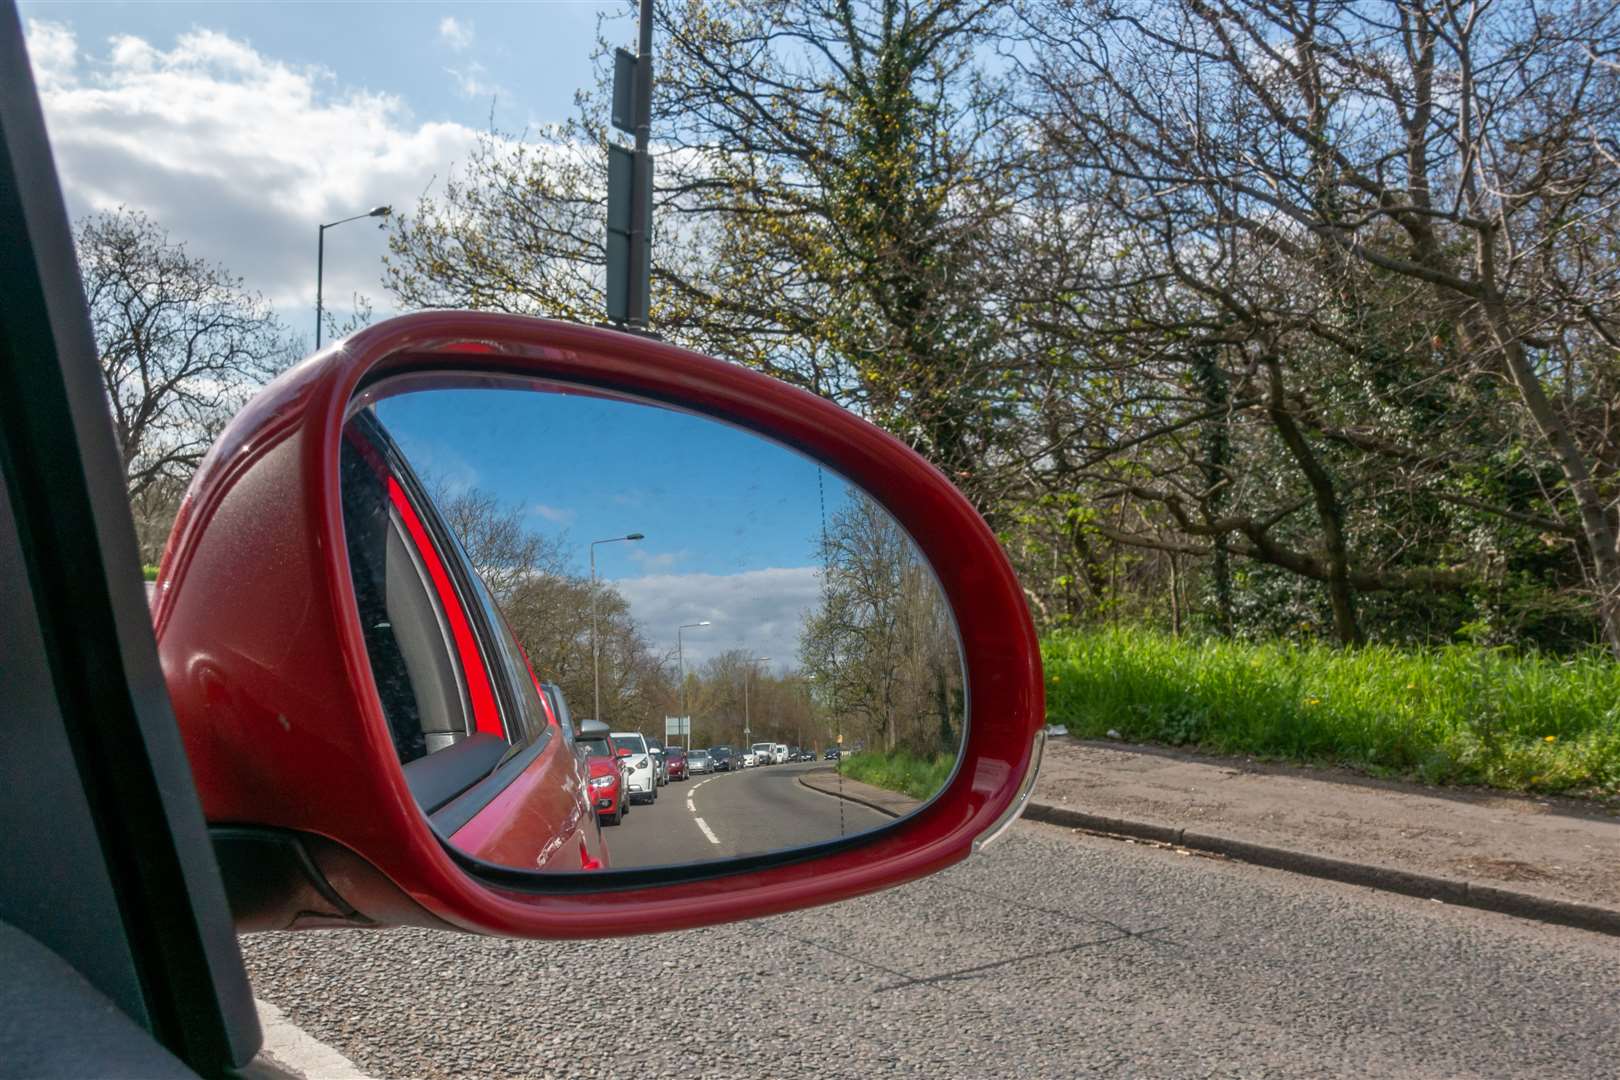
(626, 767)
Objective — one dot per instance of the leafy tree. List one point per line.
(882, 643)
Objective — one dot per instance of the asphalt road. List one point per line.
(1051, 955)
(721, 815)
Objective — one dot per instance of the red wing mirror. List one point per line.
(399, 540)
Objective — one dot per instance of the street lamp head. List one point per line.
(636, 536)
(705, 622)
(379, 211)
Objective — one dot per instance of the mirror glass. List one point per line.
(608, 634)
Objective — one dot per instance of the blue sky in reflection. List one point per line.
(731, 520)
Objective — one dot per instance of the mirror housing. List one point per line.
(265, 660)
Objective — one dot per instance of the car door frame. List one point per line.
(106, 861)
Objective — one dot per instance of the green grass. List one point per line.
(1455, 715)
(149, 572)
(899, 770)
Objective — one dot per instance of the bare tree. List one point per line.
(1282, 165)
(181, 341)
(548, 609)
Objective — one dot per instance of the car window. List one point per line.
(636, 743)
(445, 662)
(421, 677)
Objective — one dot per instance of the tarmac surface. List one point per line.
(1053, 954)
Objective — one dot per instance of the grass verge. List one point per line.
(899, 770)
(1457, 715)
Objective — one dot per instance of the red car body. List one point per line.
(676, 757)
(607, 788)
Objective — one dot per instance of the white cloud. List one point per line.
(653, 563)
(455, 33)
(53, 48)
(554, 514)
(762, 610)
(473, 81)
(238, 154)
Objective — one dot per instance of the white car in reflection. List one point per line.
(641, 773)
(749, 759)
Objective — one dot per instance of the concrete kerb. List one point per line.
(1447, 890)
(1369, 875)
(890, 803)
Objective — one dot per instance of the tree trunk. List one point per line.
(1175, 594)
(1216, 440)
(1329, 512)
(1596, 526)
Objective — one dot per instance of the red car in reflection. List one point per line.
(675, 757)
(606, 774)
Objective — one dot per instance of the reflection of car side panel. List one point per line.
(543, 802)
(529, 806)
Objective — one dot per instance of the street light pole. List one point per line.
(596, 673)
(748, 731)
(680, 660)
(320, 257)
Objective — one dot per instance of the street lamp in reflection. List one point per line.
(680, 660)
(596, 670)
(748, 735)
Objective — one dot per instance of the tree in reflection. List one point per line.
(549, 611)
(881, 646)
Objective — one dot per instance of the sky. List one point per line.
(240, 127)
(731, 521)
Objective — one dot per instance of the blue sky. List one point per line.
(241, 126)
(731, 520)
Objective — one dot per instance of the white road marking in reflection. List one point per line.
(690, 805)
(713, 839)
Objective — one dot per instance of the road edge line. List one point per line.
(1461, 893)
(297, 1051)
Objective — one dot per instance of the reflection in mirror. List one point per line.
(608, 634)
